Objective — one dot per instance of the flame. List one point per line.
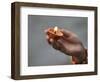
(55, 28)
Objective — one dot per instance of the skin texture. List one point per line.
(69, 44)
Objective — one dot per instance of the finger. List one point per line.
(61, 43)
(58, 44)
(55, 45)
(48, 39)
(51, 40)
(62, 46)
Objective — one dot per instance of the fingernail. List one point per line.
(51, 40)
(47, 37)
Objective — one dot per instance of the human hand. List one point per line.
(69, 44)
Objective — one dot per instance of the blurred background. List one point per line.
(40, 53)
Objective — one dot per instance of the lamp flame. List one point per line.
(55, 28)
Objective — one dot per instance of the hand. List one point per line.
(69, 44)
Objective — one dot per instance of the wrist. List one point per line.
(80, 59)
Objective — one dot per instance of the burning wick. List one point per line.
(55, 29)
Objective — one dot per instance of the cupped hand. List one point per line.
(69, 44)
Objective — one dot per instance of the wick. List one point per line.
(55, 29)
(55, 32)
